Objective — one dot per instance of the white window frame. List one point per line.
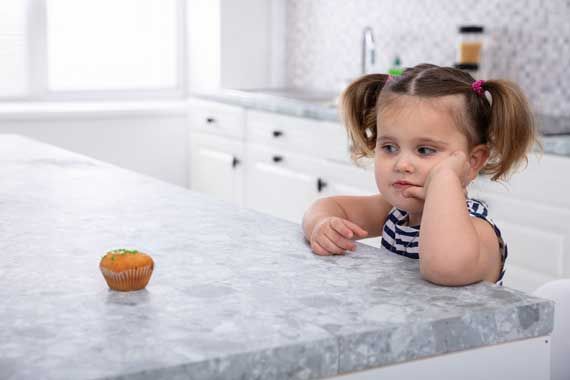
(38, 66)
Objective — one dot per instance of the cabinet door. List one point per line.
(279, 183)
(216, 166)
(346, 178)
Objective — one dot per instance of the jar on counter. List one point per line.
(470, 44)
(469, 49)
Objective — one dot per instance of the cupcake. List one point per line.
(126, 270)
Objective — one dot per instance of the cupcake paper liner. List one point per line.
(132, 279)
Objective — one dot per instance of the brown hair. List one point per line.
(505, 123)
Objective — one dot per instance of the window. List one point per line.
(91, 49)
(13, 48)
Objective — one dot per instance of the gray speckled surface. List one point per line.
(235, 294)
(319, 108)
(558, 145)
(322, 107)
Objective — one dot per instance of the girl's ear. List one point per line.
(477, 159)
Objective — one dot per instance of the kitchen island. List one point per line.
(235, 293)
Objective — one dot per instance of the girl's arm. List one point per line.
(455, 248)
(331, 223)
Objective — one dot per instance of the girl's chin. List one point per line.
(413, 205)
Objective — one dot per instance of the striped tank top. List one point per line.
(403, 240)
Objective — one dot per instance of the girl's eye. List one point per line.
(388, 148)
(426, 151)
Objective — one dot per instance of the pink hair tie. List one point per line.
(477, 86)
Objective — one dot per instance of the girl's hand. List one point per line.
(333, 235)
(456, 164)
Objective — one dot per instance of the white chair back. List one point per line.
(559, 292)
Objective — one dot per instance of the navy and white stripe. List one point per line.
(403, 240)
(399, 238)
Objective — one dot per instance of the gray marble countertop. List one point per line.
(235, 294)
(321, 105)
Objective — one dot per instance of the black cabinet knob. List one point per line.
(321, 184)
(235, 162)
(277, 133)
(210, 120)
(277, 159)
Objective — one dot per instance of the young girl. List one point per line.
(431, 132)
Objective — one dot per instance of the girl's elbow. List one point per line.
(448, 273)
(447, 278)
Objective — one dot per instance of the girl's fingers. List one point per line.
(339, 241)
(340, 226)
(347, 228)
(330, 245)
(316, 247)
(417, 192)
(361, 232)
(334, 237)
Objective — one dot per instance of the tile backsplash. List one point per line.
(527, 41)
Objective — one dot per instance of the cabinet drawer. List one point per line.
(313, 137)
(284, 183)
(216, 118)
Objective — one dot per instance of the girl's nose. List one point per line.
(404, 165)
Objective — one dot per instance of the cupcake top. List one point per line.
(119, 260)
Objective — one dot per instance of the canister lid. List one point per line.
(467, 66)
(471, 29)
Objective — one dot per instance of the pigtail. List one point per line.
(512, 130)
(358, 102)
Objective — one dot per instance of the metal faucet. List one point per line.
(368, 49)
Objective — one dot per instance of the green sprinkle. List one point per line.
(122, 251)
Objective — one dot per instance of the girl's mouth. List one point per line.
(401, 185)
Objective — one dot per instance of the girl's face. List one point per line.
(414, 135)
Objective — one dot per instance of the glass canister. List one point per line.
(470, 44)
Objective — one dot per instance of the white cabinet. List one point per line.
(268, 162)
(314, 138)
(533, 212)
(216, 150)
(292, 161)
(284, 184)
(217, 119)
(279, 183)
(216, 166)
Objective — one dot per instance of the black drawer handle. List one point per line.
(235, 162)
(321, 185)
(277, 133)
(210, 120)
(277, 159)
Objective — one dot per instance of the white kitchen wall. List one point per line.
(236, 44)
(152, 144)
(528, 41)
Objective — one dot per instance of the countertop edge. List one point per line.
(339, 348)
